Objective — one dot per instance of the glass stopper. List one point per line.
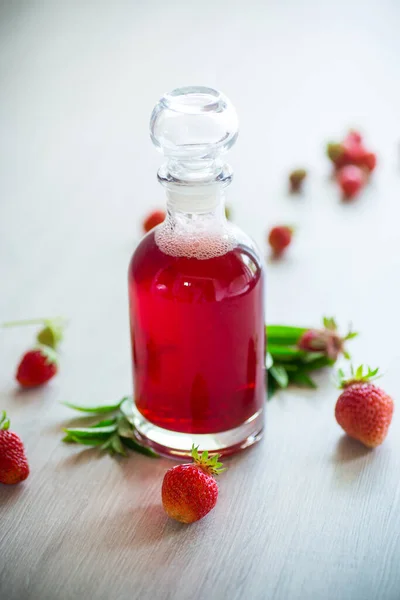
(193, 127)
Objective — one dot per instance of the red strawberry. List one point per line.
(13, 464)
(351, 180)
(37, 366)
(279, 238)
(349, 152)
(363, 410)
(354, 137)
(296, 179)
(154, 218)
(190, 491)
(368, 160)
(326, 340)
(352, 152)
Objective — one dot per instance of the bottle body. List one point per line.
(198, 337)
(196, 293)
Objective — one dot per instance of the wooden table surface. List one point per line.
(307, 514)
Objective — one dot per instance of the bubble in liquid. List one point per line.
(196, 240)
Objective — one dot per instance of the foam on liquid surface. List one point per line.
(195, 240)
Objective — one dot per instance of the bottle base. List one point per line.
(175, 444)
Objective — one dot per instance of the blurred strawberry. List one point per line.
(354, 137)
(326, 340)
(296, 180)
(153, 219)
(279, 238)
(351, 180)
(368, 160)
(37, 366)
(14, 466)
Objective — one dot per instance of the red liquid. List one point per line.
(198, 338)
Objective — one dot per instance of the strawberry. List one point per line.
(279, 238)
(296, 179)
(368, 161)
(348, 152)
(37, 366)
(354, 137)
(190, 491)
(13, 464)
(352, 152)
(154, 218)
(351, 180)
(326, 340)
(363, 410)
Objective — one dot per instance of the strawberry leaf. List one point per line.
(209, 464)
(302, 379)
(104, 423)
(330, 323)
(4, 421)
(91, 432)
(102, 409)
(317, 364)
(6, 425)
(136, 447)
(280, 375)
(117, 446)
(284, 335)
(285, 353)
(361, 374)
(70, 439)
(272, 387)
(114, 435)
(351, 335)
(107, 445)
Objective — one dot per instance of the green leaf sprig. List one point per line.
(114, 435)
(286, 363)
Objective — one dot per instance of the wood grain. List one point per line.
(307, 514)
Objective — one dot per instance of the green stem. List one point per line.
(30, 322)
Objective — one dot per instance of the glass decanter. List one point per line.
(196, 293)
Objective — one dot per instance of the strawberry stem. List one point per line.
(33, 322)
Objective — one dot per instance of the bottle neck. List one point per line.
(196, 225)
(196, 200)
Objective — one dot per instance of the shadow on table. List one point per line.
(141, 526)
(10, 493)
(81, 455)
(28, 395)
(348, 449)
